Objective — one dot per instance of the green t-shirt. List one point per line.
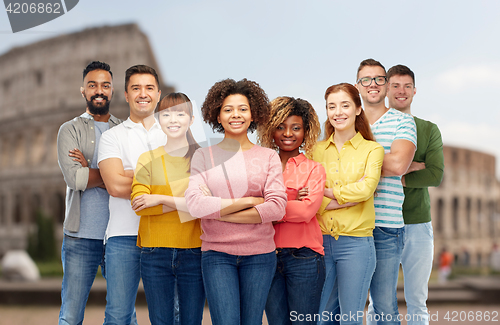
(417, 204)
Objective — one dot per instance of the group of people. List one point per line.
(299, 228)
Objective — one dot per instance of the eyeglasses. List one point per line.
(367, 81)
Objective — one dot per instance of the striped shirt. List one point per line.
(389, 197)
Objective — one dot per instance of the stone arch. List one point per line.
(36, 205)
(18, 209)
(3, 212)
(5, 153)
(19, 150)
(468, 213)
(479, 217)
(37, 147)
(491, 219)
(455, 217)
(440, 215)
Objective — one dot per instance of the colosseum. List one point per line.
(39, 90)
(466, 206)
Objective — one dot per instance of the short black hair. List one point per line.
(400, 70)
(140, 69)
(97, 65)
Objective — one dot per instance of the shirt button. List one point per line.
(91, 128)
(88, 160)
(337, 170)
(92, 141)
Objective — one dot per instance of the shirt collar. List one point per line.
(355, 141)
(297, 159)
(131, 124)
(86, 117)
(89, 117)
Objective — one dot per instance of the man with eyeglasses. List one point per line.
(396, 132)
(425, 170)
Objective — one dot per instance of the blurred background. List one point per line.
(290, 48)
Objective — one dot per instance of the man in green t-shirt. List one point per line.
(425, 170)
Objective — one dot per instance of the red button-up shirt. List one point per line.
(300, 227)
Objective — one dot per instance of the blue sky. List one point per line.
(298, 49)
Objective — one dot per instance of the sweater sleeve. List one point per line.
(305, 210)
(273, 209)
(363, 190)
(143, 179)
(199, 205)
(75, 175)
(432, 174)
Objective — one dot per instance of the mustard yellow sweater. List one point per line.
(159, 173)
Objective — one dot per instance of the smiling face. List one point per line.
(142, 96)
(400, 93)
(235, 115)
(342, 111)
(373, 94)
(289, 135)
(175, 123)
(97, 90)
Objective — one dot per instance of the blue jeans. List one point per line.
(123, 272)
(161, 269)
(416, 260)
(383, 289)
(296, 287)
(350, 263)
(237, 286)
(80, 258)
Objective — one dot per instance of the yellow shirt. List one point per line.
(159, 173)
(357, 158)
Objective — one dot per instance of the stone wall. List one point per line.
(40, 90)
(466, 206)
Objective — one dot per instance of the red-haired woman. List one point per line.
(353, 162)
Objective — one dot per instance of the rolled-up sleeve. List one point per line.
(273, 208)
(75, 175)
(199, 205)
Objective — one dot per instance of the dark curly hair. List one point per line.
(257, 98)
(280, 109)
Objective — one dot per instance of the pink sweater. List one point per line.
(255, 172)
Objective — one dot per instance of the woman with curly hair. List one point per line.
(237, 190)
(300, 271)
(353, 163)
(168, 236)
